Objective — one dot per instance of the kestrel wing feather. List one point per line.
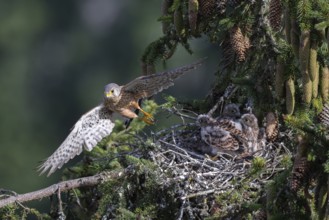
(146, 86)
(91, 128)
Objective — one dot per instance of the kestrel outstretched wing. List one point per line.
(91, 128)
(146, 86)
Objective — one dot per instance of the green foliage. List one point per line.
(282, 204)
(137, 195)
(326, 164)
(170, 102)
(158, 50)
(257, 164)
(286, 161)
(13, 212)
(304, 10)
(300, 119)
(176, 4)
(9, 212)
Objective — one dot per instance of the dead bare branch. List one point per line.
(62, 187)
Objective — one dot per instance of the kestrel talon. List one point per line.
(96, 124)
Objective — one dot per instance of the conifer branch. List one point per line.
(62, 186)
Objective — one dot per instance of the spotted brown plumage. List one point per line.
(229, 133)
(222, 136)
(91, 128)
(250, 130)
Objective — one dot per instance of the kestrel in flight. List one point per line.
(96, 124)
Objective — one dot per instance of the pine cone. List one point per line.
(300, 171)
(228, 52)
(272, 126)
(324, 115)
(275, 14)
(207, 8)
(240, 44)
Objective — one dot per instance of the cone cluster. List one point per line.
(275, 13)
(239, 43)
(299, 173)
(272, 127)
(207, 7)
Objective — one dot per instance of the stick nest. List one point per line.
(214, 188)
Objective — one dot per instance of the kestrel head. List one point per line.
(249, 120)
(231, 111)
(205, 120)
(112, 91)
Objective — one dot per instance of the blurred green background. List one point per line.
(56, 57)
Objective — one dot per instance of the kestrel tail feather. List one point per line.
(324, 115)
(91, 128)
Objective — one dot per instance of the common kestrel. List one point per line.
(228, 132)
(230, 111)
(250, 129)
(221, 136)
(97, 124)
